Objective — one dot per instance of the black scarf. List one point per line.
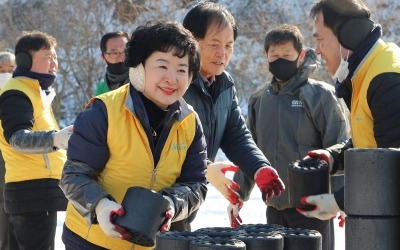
(115, 81)
(344, 89)
(45, 80)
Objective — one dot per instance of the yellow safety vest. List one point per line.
(131, 162)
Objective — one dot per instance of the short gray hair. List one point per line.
(7, 57)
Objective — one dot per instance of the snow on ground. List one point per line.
(213, 214)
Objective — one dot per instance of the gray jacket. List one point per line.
(289, 119)
(223, 123)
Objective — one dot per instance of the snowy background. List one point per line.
(213, 214)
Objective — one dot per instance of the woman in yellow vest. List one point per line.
(142, 134)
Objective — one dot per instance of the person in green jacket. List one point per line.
(112, 47)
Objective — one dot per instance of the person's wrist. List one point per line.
(257, 172)
(256, 175)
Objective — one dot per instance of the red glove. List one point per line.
(233, 214)
(342, 218)
(168, 219)
(216, 176)
(267, 179)
(321, 154)
(168, 215)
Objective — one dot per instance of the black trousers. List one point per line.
(3, 224)
(3, 216)
(33, 231)
(291, 218)
(3, 229)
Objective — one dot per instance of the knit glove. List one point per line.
(227, 187)
(168, 215)
(342, 218)
(321, 154)
(60, 138)
(325, 207)
(269, 183)
(233, 214)
(106, 210)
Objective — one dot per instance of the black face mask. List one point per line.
(117, 68)
(283, 69)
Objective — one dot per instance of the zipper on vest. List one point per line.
(46, 160)
(153, 178)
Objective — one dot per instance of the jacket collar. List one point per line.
(135, 104)
(222, 82)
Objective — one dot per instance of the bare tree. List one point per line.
(78, 26)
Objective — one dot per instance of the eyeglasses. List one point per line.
(115, 55)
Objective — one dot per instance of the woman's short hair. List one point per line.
(163, 36)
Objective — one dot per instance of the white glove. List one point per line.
(60, 138)
(325, 206)
(105, 211)
(168, 215)
(233, 214)
(321, 154)
(216, 176)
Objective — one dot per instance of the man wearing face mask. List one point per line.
(367, 74)
(112, 47)
(7, 67)
(288, 117)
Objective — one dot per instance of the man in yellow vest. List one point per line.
(367, 74)
(32, 145)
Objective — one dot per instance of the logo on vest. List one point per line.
(297, 104)
(179, 147)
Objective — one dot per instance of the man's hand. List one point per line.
(233, 214)
(106, 210)
(216, 176)
(268, 181)
(325, 206)
(168, 215)
(321, 154)
(60, 138)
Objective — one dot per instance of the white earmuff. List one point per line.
(137, 77)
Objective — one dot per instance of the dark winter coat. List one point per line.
(223, 123)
